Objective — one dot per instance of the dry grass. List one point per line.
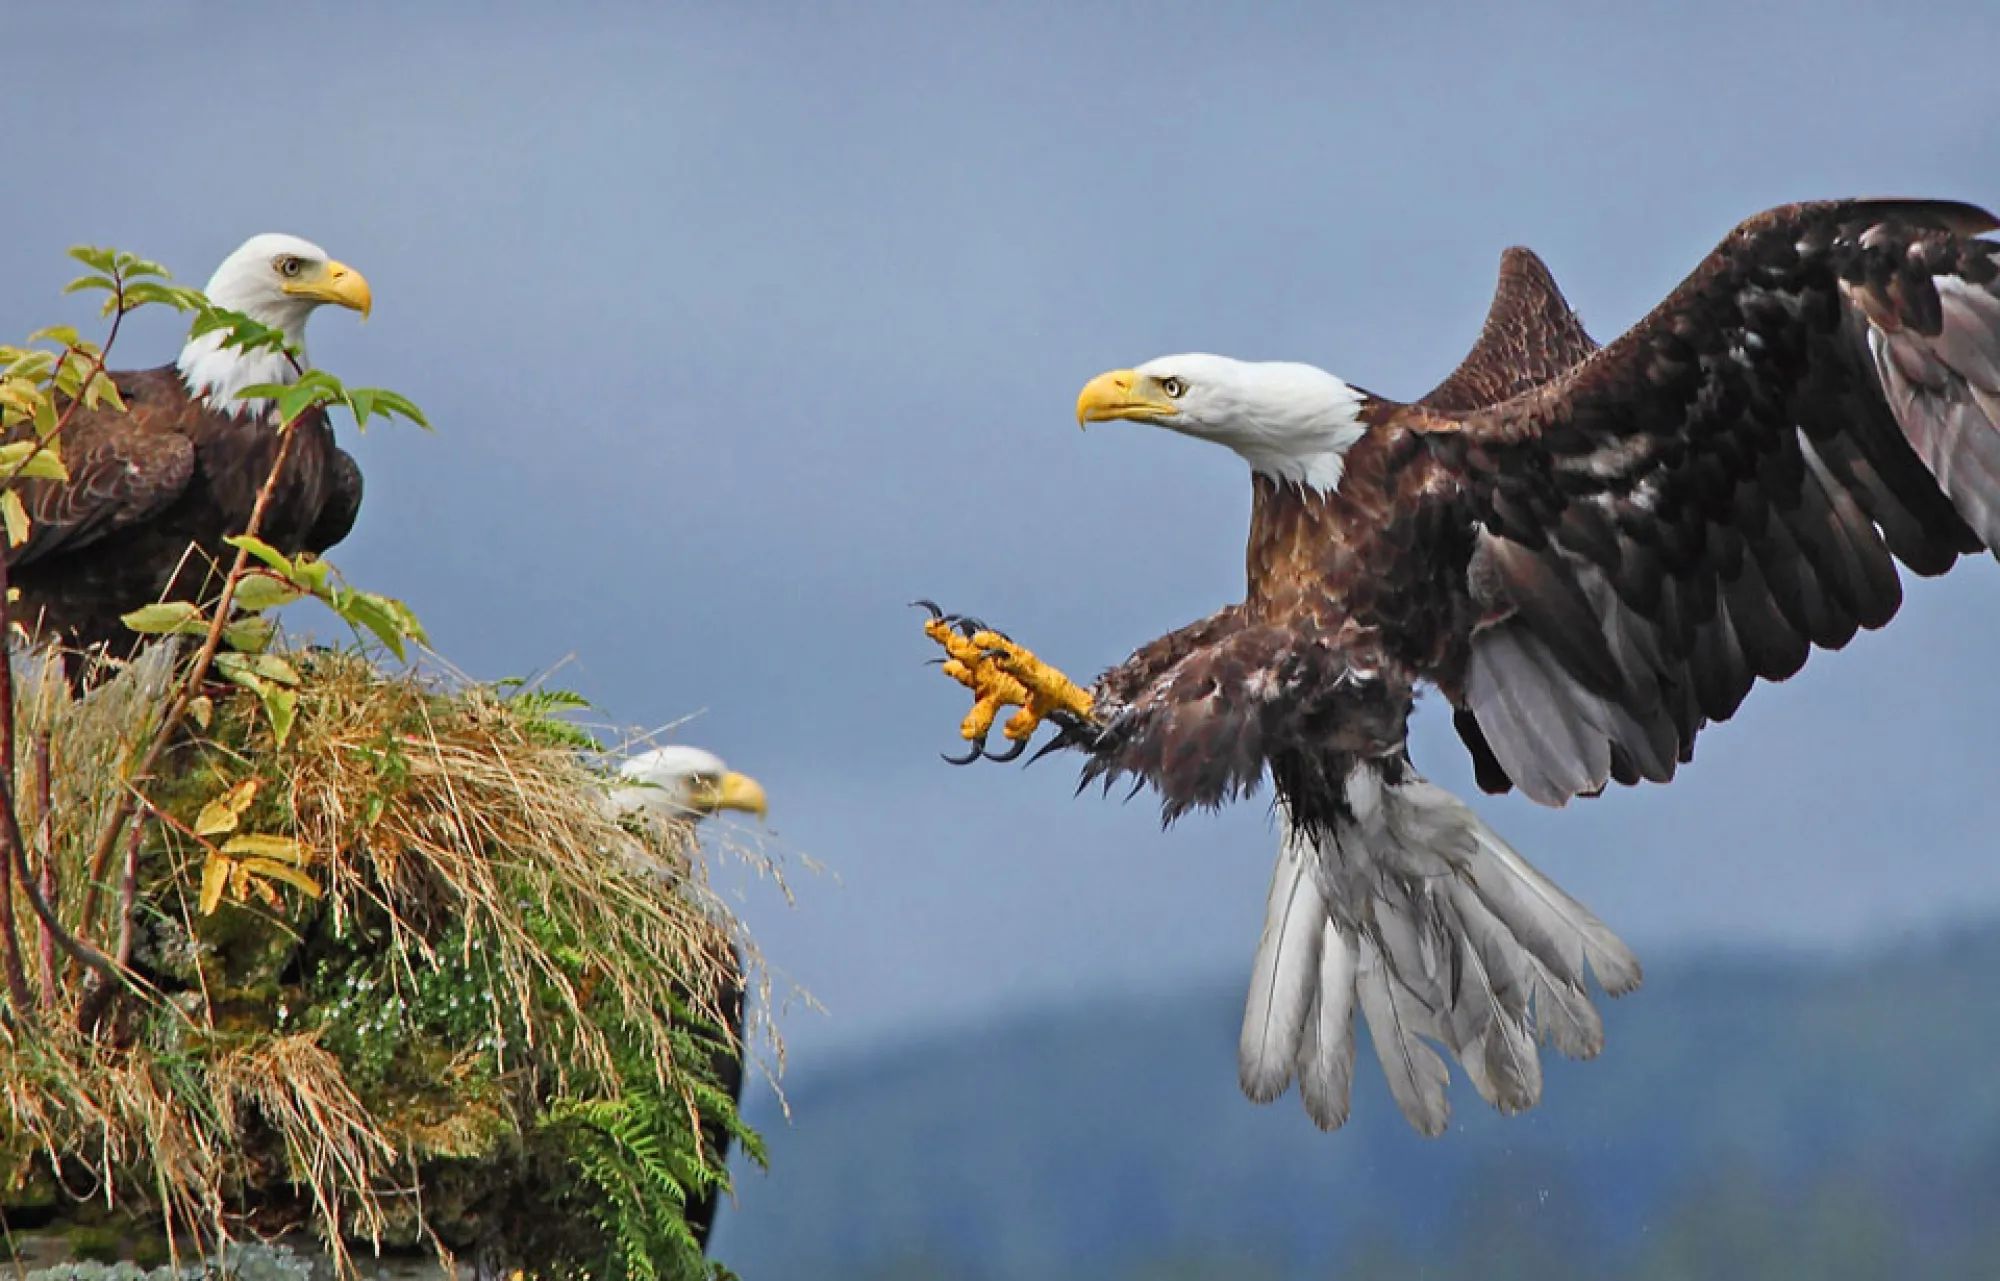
(452, 824)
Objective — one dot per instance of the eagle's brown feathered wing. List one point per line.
(149, 484)
(1721, 489)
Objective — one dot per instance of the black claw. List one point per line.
(976, 751)
(1055, 744)
(934, 662)
(968, 625)
(930, 605)
(1012, 753)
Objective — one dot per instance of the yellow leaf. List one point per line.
(291, 876)
(214, 879)
(202, 710)
(36, 461)
(16, 518)
(278, 847)
(220, 815)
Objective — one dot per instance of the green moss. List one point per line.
(95, 1243)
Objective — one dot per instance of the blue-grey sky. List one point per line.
(741, 325)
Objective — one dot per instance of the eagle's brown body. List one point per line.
(152, 493)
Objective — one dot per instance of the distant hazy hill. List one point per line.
(1751, 1117)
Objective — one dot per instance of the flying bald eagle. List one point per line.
(679, 786)
(181, 468)
(1591, 554)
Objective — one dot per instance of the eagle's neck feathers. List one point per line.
(1315, 464)
(216, 375)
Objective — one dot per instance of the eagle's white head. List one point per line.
(276, 280)
(679, 784)
(1289, 421)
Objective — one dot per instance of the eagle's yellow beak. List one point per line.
(335, 282)
(732, 791)
(1122, 393)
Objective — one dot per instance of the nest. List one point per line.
(436, 977)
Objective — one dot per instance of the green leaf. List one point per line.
(82, 283)
(62, 335)
(148, 292)
(35, 460)
(273, 668)
(133, 265)
(263, 551)
(297, 400)
(167, 618)
(258, 592)
(310, 572)
(367, 610)
(250, 635)
(33, 364)
(96, 257)
(362, 402)
(235, 668)
(281, 708)
(15, 516)
(103, 390)
(388, 402)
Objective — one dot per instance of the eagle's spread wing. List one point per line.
(1724, 486)
(124, 468)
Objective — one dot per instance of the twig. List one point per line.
(128, 892)
(45, 817)
(10, 940)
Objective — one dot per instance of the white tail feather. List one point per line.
(1413, 908)
(1285, 976)
(1326, 1052)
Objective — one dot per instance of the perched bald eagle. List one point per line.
(1591, 554)
(181, 469)
(679, 785)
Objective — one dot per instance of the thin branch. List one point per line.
(10, 940)
(46, 845)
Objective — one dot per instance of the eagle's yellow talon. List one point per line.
(1002, 674)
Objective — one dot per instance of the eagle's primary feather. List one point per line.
(1592, 554)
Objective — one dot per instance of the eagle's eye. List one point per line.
(290, 266)
(1174, 388)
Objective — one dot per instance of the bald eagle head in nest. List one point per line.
(276, 280)
(1289, 421)
(683, 785)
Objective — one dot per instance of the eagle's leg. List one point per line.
(1002, 674)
